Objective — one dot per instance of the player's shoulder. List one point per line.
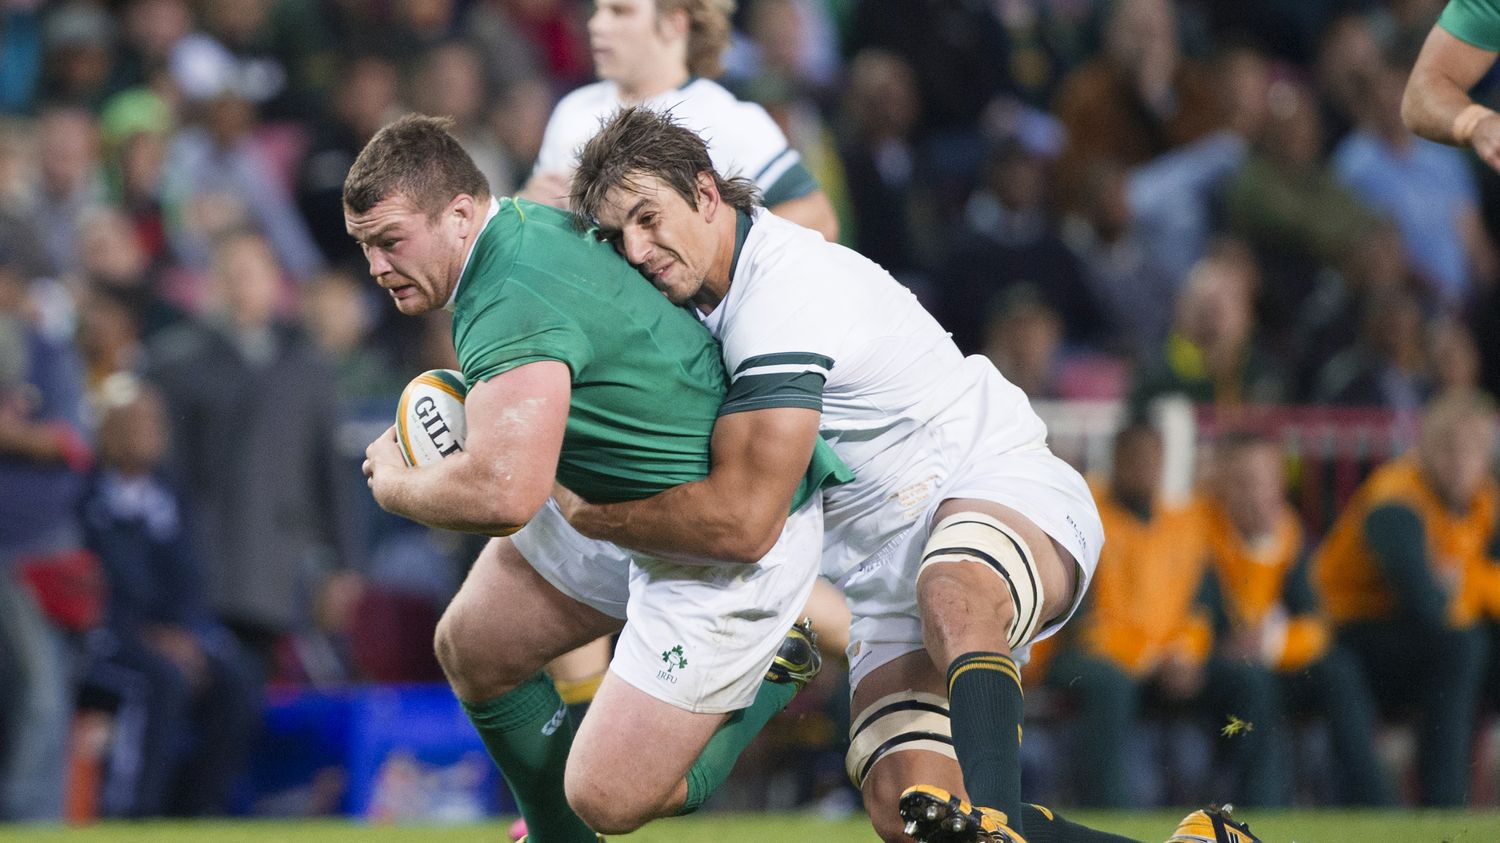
(783, 259)
(705, 99)
(585, 100)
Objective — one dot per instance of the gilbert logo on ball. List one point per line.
(430, 417)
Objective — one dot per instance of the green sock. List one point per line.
(724, 747)
(1043, 826)
(528, 734)
(984, 705)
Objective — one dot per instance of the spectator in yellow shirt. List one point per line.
(1408, 573)
(1145, 637)
(1270, 617)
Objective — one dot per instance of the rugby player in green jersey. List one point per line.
(579, 372)
(1458, 52)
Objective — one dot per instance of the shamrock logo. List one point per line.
(674, 658)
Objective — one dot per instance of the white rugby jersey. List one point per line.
(742, 138)
(810, 323)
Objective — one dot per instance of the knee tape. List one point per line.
(969, 536)
(905, 720)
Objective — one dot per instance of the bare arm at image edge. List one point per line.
(1437, 105)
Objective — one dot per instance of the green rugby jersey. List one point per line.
(1474, 21)
(647, 377)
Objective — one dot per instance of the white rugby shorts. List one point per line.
(882, 591)
(699, 637)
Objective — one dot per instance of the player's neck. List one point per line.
(716, 284)
(652, 83)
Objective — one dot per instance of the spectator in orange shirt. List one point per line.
(1408, 573)
(1147, 637)
(1271, 619)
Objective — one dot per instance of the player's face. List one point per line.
(1458, 462)
(415, 259)
(625, 38)
(1251, 489)
(664, 237)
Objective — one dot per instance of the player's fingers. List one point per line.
(368, 467)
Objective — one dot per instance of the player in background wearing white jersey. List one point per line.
(962, 538)
(664, 54)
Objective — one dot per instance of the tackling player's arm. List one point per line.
(1436, 104)
(735, 514)
(504, 474)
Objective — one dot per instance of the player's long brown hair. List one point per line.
(639, 142)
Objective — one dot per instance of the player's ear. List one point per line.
(708, 197)
(676, 23)
(464, 209)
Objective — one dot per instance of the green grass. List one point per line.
(1273, 826)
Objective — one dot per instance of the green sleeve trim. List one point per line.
(784, 358)
(1398, 540)
(795, 183)
(1475, 22)
(780, 389)
(495, 369)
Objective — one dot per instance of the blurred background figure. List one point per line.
(253, 404)
(49, 583)
(1134, 101)
(1010, 239)
(1211, 354)
(1270, 616)
(1407, 576)
(182, 692)
(1424, 187)
(1146, 644)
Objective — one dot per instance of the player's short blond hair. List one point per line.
(708, 32)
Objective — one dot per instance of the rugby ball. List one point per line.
(430, 418)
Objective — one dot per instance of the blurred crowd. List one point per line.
(1112, 200)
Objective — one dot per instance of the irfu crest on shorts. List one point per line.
(674, 658)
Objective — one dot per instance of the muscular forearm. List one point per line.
(454, 494)
(695, 523)
(1431, 104)
(1436, 104)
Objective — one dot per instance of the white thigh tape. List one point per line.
(967, 536)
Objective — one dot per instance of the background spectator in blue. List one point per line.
(42, 460)
(182, 690)
(1424, 187)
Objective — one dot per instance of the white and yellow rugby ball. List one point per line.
(430, 418)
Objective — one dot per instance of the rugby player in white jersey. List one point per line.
(962, 538)
(664, 54)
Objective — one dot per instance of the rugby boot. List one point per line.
(934, 815)
(799, 659)
(1212, 825)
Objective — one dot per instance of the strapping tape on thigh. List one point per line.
(969, 536)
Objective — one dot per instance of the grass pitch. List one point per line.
(1151, 826)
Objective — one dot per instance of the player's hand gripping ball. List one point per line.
(430, 418)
